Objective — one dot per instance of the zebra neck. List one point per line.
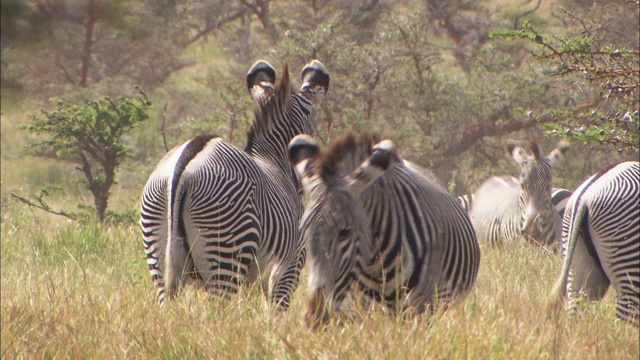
(268, 140)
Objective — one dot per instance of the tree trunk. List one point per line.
(88, 42)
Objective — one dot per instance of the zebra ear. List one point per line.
(260, 81)
(315, 79)
(381, 158)
(302, 149)
(556, 156)
(518, 152)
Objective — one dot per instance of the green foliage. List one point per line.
(93, 135)
(92, 128)
(613, 71)
(431, 75)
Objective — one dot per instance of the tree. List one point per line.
(609, 69)
(93, 134)
(95, 43)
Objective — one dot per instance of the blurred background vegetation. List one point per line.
(449, 81)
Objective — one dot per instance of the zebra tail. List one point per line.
(175, 255)
(559, 290)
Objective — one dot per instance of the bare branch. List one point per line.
(43, 206)
(516, 20)
(218, 24)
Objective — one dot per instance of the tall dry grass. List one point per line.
(84, 291)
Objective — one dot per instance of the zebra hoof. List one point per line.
(313, 75)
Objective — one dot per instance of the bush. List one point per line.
(92, 135)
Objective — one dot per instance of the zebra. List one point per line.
(231, 214)
(504, 209)
(381, 224)
(559, 198)
(601, 241)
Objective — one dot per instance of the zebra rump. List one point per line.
(601, 241)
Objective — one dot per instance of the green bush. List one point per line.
(92, 135)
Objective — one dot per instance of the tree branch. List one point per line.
(43, 206)
(217, 25)
(516, 20)
(489, 127)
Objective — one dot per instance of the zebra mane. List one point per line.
(345, 154)
(268, 114)
(534, 144)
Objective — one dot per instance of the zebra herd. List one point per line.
(371, 223)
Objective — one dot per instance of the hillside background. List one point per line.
(427, 74)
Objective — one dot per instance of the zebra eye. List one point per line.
(344, 233)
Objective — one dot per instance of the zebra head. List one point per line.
(334, 226)
(535, 181)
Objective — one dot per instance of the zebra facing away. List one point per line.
(231, 214)
(559, 198)
(505, 209)
(601, 241)
(381, 225)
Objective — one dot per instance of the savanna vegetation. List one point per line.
(449, 81)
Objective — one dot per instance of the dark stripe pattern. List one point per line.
(403, 241)
(230, 215)
(602, 220)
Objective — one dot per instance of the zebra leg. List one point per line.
(153, 221)
(223, 265)
(287, 284)
(628, 301)
(154, 233)
(586, 278)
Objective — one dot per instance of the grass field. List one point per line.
(84, 291)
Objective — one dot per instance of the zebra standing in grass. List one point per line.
(230, 214)
(382, 223)
(601, 241)
(503, 211)
(559, 198)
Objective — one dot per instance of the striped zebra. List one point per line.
(505, 209)
(559, 198)
(381, 224)
(601, 241)
(228, 215)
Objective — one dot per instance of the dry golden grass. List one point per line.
(84, 291)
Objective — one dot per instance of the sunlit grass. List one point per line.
(78, 291)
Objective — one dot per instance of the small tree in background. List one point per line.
(92, 134)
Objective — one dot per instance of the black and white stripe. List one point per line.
(230, 215)
(559, 198)
(382, 223)
(505, 209)
(601, 241)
